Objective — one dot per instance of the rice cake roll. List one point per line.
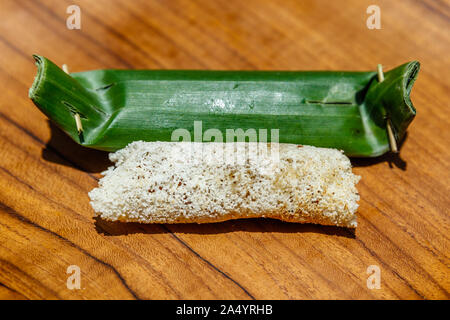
(189, 182)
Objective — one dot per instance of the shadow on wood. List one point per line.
(393, 159)
(63, 150)
(260, 225)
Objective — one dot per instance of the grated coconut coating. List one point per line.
(181, 182)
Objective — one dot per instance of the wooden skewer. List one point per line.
(390, 131)
(78, 123)
(65, 68)
(392, 141)
(76, 115)
(380, 73)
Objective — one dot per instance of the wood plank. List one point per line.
(46, 223)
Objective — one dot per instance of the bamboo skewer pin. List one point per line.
(391, 136)
(380, 73)
(78, 123)
(76, 115)
(65, 68)
(390, 132)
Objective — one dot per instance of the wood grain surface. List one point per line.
(47, 224)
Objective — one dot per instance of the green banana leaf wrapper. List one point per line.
(333, 109)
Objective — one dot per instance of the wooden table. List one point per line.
(47, 224)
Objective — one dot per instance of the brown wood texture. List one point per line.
(47, 224)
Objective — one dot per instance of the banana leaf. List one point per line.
(349, 111)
